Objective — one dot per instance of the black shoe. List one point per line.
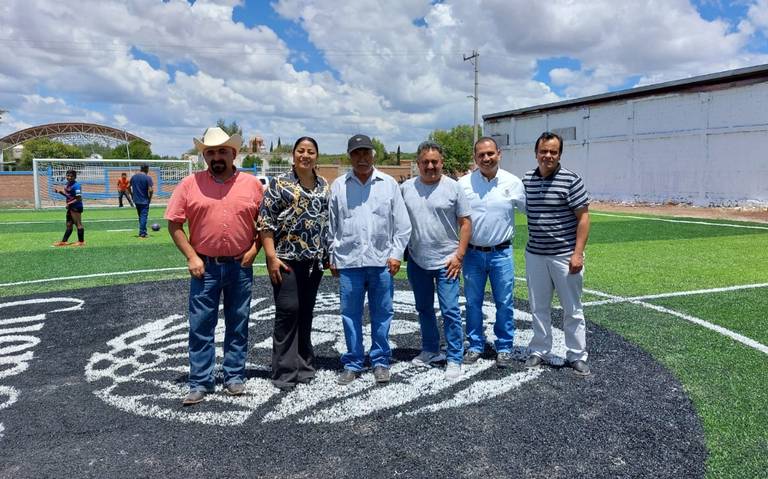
(580, 368)
(471, 357)
(286, 388)
(503, 360)
(381, 374)
(533, 362)
(347, 377)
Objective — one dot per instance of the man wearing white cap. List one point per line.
(220, 206)
(369, 229)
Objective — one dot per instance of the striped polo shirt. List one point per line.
(551, 204)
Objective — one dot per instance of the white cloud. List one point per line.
(397, 66)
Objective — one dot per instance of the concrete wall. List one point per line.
(704, 148)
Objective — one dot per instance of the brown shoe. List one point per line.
(61, 243)
(193, 397)
(78, 243)
(347, 377)
(234, 389)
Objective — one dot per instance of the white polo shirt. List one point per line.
(492, 204)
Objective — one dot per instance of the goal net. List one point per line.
(98, 178)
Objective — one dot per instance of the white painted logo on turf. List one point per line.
(140, 372)
(17, 342)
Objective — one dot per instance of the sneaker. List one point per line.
(504, 360)
(381, 374)
(234, 389)
(453, 371)
(61, 243)
(471, 357)
(580, 368)
(78, 243)
(426, 359)
(347, 377)
(142, 236)
(193, 397)
(533, 361)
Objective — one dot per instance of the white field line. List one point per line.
(619, 299)
(101, 275)
(117, 231)
(718, 329)
(649, 218)
(11, 223)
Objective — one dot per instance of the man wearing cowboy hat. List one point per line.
(220, 206)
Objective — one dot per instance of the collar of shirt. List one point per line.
(375, 175)
(536, 172)
(231, 178)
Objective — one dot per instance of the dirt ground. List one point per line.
(758, 214)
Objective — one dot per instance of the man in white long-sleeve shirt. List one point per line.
(369, 229)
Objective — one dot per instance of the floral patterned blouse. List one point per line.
(298, 217)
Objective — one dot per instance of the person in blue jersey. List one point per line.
(494, 194)
(369, 229)
(73, 194)
(142, 188)
(558, 227)
(441, 228)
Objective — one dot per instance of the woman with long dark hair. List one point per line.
(292, 222)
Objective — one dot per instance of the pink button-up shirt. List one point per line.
(220, 215)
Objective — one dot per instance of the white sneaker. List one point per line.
(425, 359)
(453, 371)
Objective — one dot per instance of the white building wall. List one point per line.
(704, 148)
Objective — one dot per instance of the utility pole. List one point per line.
(474, 58)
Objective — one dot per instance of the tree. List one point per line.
(251, 160)
(138, 151)
(457, 147)
(278, 142)
(229, 129)
(398, 154)
(46, 148)
(271, 146)
(382, 156)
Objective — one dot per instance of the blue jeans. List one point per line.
(353, 285)
(143, 211)
(423, 283)
(235, 282)
(499, 266)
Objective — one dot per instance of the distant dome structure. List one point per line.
(72, 133)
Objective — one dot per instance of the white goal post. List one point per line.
(98, 178)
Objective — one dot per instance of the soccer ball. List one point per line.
(155, 227)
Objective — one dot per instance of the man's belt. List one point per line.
(218, 259)
(486, 249)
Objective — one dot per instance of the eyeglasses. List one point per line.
(213, 151)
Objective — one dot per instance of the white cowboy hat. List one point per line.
(215, 136)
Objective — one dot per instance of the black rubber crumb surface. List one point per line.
(630, 418)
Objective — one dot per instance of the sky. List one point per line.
(392, 69)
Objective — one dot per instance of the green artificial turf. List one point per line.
(625, 257)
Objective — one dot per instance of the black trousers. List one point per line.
(292, 353)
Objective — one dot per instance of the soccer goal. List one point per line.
(98, 178)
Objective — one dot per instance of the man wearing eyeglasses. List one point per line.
(220, 206)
